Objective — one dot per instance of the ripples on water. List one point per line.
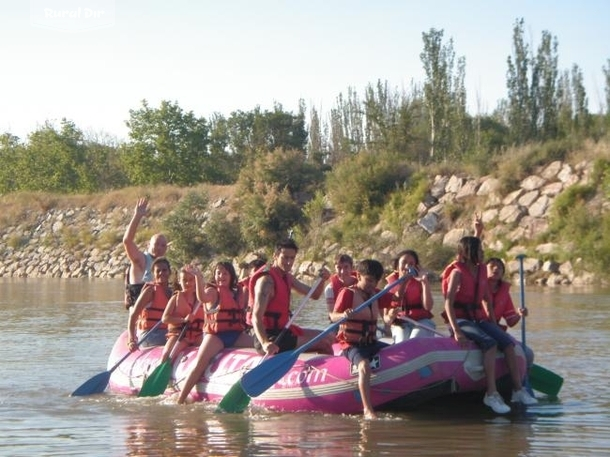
(58, 334)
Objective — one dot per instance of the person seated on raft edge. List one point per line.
(224, 325)
(464, 286)
(270, 297)
(499, 292)
(357, 335)
(412, 298)
(182, 309)
(149, 308)
(503, 305)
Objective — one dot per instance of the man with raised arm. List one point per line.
(140, 262)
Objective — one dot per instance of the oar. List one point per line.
(263, 376)
(236, 399)
(97, 384)
(156, 383)
(526, 381)
(539, 378)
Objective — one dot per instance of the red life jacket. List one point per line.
(277, 313)
(337, 284)
(154, 312)
(226, 314)
(468, 297)
(412, 303)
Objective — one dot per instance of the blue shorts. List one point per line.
(485, 334)
(155, 338)
(229, 337)
(357, 354)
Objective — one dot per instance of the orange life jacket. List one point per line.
(277, 312)
(226, 314)
(468, 297)
(337, 284)
(358, 332)
(154, 312)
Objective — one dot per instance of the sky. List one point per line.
(92, 61)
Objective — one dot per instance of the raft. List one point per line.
(404, 376)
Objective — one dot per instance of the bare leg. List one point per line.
(511, 362)
(489, 364)
(364, 386)
(169, 344)
(210, 346)
(177, 349)
(244, 341)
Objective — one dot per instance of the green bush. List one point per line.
(183, 227)
(364, 182)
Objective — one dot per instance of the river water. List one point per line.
(58, 333)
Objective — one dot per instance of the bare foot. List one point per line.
(369, 415)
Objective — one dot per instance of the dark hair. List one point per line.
(370, 267)
(231, 269)
(159, 260)
(257, 263)
(469, 248)
(403, 253)
(344, 258)
(498, 261)
(288, 243)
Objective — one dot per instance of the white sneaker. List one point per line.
(495, 402)
(521, 396)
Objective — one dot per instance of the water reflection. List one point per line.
(58, 333)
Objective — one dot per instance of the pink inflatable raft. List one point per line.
(404, 376)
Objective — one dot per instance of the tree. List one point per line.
(444, 95)
(167, 146)
(544, 117)
(606, 70)
(56, 161)
(520, 103)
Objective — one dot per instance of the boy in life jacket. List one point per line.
(139, 270)
(149, 308)
(270, 289)
(344, 276)
(357, 334)
(466, 291)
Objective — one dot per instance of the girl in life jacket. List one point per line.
(411, 299)
(149, 307)
(223, 301)
(466, 294)
(184, 309)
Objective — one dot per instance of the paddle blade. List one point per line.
(236, 400)
(95, 385)
(156, 383)
(263, 376)
(545, 381)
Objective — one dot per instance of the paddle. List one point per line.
(539, 378)
(526, 382)
(156, 383)
(236, 399)
(97, 384)
(263, 376)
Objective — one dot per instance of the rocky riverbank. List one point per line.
(83, 241)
